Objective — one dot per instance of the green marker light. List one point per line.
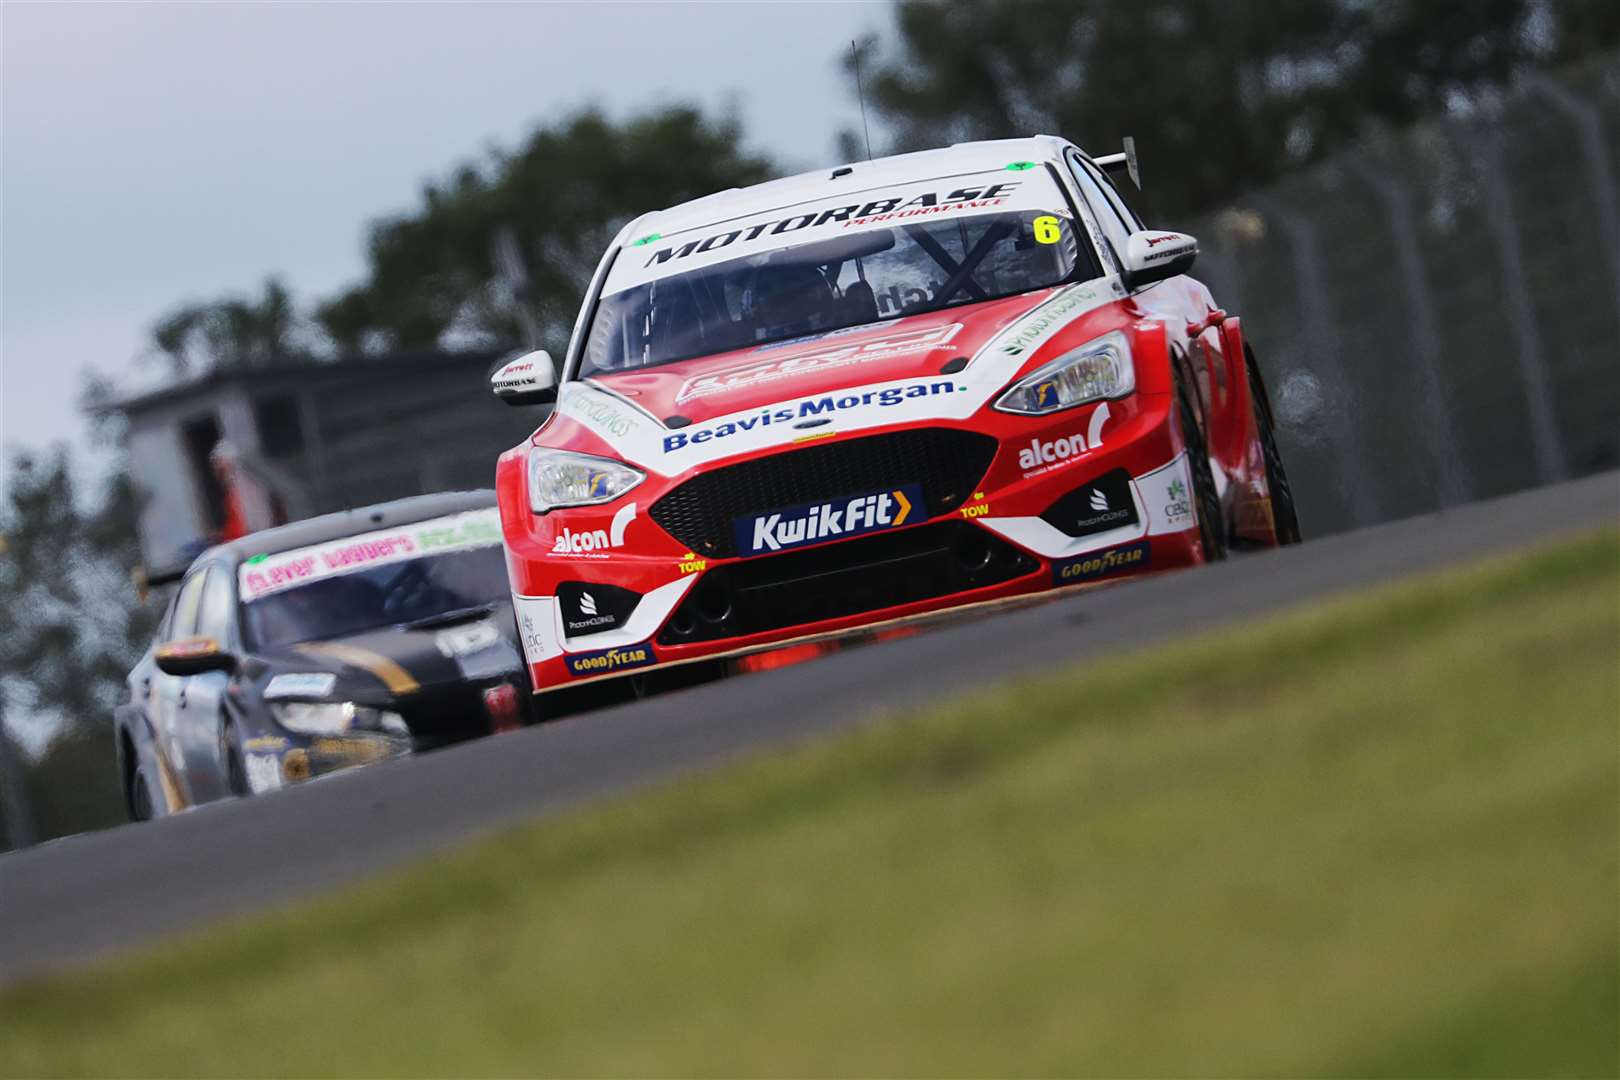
(649, 238)
(257, 559)
(1020, 166)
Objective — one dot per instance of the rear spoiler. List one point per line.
(1124, 162)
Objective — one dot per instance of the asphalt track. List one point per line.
(79, 899)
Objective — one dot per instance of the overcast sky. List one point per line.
(154, 153)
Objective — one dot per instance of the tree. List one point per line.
(1223, 95)
(562, 195)
(233, 333)
(70, 628)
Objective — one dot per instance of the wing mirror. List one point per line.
(193, 656)
(1153, 255)
(531, 379)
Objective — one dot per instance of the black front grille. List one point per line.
(869, 573)
(948, 464)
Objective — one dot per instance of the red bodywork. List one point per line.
(1173, 322)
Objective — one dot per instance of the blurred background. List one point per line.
(306, 232)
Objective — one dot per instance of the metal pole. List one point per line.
(1327, 350)
(1441, 433)
(1545, 440)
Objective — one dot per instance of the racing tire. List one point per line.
(140, 797)
(1284, 515)
(1206, 500)
(236, 781)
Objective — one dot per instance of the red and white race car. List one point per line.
(860, 395)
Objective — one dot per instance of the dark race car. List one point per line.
(321, 645)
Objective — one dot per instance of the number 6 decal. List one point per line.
(1046, 229)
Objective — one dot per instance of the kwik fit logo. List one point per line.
(834, 520)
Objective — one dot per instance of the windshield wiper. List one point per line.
(450, 618)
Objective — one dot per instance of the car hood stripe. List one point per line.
(393, 676)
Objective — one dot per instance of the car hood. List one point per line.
(913, 346)
(944, 365)
(381, 665)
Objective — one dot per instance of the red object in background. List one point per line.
(235, 526)
(785, 657)
(501, 702)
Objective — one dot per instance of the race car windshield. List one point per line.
(847, 280)
(391, 594)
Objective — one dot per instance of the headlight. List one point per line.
(335, 718)
(1097, 369)
(562, 478)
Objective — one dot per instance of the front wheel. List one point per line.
(140, 797)
(236, 780)
(1206, 500)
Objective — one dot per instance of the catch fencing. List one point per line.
(1437, 311)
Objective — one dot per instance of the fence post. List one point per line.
(1439, 429)
(1323, 331)
(1545, 440)
(1589, 125)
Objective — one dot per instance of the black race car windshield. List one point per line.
(848, 279)
(390, 594)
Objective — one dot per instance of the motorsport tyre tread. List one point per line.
(1284, 514)
(1206, 501)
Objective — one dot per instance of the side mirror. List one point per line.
(531, 379)
(1153, 255)
(193, 656)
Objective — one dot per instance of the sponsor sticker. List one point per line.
(1101, 564)
(262, 576)
(812, 523)
(1036, 328)
(824, 405)
(594, 608)
(537, 628)
(597, 411)
(313, 684)
(604, 661)
(466, 640)
(764, 372)
(263, 772)
(987, 192)
(595, 542)
(1103, 504)
(977, 508)
(1177, 507)
(1044, 455)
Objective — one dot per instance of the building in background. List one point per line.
(241, 450)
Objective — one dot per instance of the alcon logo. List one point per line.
(1038, 454)
(569, 542)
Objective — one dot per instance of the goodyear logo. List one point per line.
(604, 661)
(1100, 564)
(834, 520)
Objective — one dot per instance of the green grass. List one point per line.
(1376, 837)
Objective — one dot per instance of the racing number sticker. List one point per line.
(1046, 229)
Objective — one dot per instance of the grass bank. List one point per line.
(1378, 836)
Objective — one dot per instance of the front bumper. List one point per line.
(1011, 535)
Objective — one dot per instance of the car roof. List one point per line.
(361, 519)
(820, 183)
